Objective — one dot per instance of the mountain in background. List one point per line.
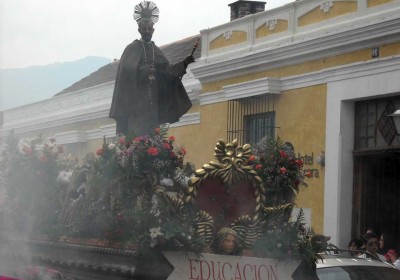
(24, 86)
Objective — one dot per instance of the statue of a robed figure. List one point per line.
(148, 90)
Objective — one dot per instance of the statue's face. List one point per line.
(228, 244)
(146, 30)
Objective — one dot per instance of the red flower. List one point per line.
(152, 151)
(157, 130)
(299, 162)
(183, 151)
(43, 158)
(282, 170)
(60, 149)
(122, 141)
(308, 174)
(252, 158)
(258, 166)
(99, 151)
(166, 146)
(283, 154)
(171, 138)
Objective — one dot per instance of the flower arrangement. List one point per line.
(144, 154)
(281, 171)
(130, 171)
(31, 167)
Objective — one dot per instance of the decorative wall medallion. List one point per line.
(228, 34)
(326, 6)
(271, 24)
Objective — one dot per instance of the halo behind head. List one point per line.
(146, 10)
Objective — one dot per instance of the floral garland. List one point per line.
(125, 186)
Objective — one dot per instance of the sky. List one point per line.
(41, 32)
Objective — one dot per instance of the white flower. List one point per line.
(167, 182)
(64, 177)
(38, 147)
(111, 146)
(23, 144)
(155, 232)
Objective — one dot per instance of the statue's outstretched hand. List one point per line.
(189, 59)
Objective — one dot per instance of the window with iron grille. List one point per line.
(250, 119)
(373, 127)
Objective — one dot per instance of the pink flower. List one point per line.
(122, 141)
(183, 151)
(171, 138)
(258, 166)
(99, 151)
(166, 146)
(252, 158)
(172, 155)
(43, 158)
(308, 174)
(282, 170)
(27, 150)
(152, 151)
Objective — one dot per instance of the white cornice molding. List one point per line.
(344, 72)
(372, 31)
(71, 137)
(187, 119)
(212, 97)
(252, 88)
(109, 131)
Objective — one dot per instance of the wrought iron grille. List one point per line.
(251, 118)
(373, 127)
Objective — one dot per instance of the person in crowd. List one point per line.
(364, 242)
(393, 258)
(355, 246)
(386, 242)
(372, 247)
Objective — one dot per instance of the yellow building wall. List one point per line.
(301, 118)
(373, 3)
(317, 15)
(264, 31)
(200, 139)
(307, 67)
(220, 42)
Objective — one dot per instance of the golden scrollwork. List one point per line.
(231, 168)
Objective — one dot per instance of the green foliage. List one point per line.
(289, 239)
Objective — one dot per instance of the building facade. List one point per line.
(321, 74)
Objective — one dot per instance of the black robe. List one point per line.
(131, 91)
